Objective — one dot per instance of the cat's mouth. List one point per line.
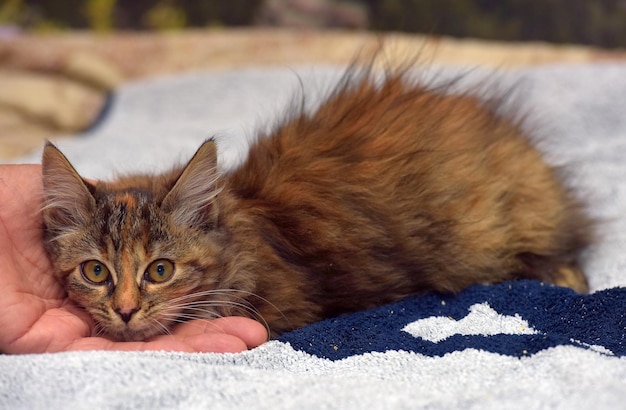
(132, 333)
(134, 330)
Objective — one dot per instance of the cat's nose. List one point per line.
(126, 314)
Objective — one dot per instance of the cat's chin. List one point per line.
(130, 335)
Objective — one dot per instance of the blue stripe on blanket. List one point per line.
(514, 318)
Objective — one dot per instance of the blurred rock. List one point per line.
(54, 101)
(56, 84)
(313, 14)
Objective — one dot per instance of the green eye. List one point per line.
(159, 271)
(95, 272)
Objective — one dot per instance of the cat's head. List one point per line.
(135, 252)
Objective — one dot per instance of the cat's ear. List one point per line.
(68, 201)
(189, 201)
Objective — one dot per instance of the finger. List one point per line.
(50, 331)
(216, 343)
(211, 342)
(230, 334)
(100, 343)
(251, 332)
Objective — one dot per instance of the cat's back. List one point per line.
(434, 181)
(389, 134)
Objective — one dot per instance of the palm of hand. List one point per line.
(35, 314)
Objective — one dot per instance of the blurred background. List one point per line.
(592, 22)
(61, 59)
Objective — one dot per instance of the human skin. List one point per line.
(35, 314)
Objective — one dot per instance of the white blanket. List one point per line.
(514, 345)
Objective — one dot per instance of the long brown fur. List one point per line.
(387, 190)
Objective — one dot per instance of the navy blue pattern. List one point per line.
(561, 317)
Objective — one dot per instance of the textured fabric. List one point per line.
(516, 319)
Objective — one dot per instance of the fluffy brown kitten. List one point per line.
(387, 190)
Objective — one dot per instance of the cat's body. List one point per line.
(384, 192)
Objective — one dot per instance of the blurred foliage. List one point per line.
(99, 14)
(165, 16)
(10, 10)
(106, 15)
(594, 22)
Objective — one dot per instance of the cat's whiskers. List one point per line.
(198, 306)
(99, 329)
(184, 317)
(228, 292)
(204, 307)
(254, 295)
(209, 314)
(161, 328)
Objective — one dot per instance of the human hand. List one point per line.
(35, 314)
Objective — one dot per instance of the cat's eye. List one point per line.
(159, 271)
(95, 272)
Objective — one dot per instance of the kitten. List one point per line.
(387, 190)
